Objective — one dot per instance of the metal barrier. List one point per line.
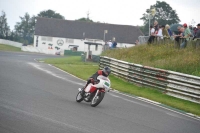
(172, 83)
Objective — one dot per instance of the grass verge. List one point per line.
(4, 47)
(84, 70)
(161, 56)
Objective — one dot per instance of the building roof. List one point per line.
(81, 30)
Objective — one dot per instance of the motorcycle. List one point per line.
(95, 93)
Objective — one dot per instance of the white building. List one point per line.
(59, 35)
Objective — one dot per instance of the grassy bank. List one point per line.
(9, 48)
(161, 56)
(84, 70)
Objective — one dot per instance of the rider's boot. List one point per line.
(83, 91)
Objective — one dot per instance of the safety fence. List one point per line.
(172, 83)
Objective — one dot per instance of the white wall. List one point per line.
(11, 43)
(43, 44)
(39, 50)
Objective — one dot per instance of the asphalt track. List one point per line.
(37, 98)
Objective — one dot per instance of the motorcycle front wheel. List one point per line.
(79, 98)
(96, 100)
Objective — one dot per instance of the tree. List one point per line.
(50, 14)
(164, 15)
(85, 20)
(25, 29)
(4, 28)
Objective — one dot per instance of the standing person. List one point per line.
(151, 38)
(195, 30)
(177, 37)
(160, 34)
(191, 30)
(164, 31)
(156, 26)
(187, 34)
(197, 35)
(114, 45)
(137, 42)
(165, 34)
(168, 29)
(110, 44)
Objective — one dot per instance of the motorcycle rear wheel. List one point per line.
(79, 98)
(96, 100)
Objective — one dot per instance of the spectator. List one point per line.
(177, 37)
(114, 44)
(156, 27)
(137, 42)
(191, 30)
(151, 38)
(197, 35)
(195, 30)
(186, 36)
(164, 31)
(160, 34)
(110, 44)
(168, 29)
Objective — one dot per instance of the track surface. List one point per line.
(37, 98)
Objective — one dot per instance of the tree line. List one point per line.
(24, 30)
(164, 14)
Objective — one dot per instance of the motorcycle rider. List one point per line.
(105, 72)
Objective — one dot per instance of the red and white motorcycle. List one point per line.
(95, 93)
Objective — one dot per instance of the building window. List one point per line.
(49, 39)
(69, 40)
(43, 38)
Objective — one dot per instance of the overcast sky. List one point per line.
(126, 12)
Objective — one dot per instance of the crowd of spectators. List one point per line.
(185, 33)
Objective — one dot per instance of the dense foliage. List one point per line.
(164, 15)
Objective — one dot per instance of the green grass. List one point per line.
(75, 66)
(84, 70)
(161, 56)
(9, 48)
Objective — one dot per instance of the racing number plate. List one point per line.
(107, 84)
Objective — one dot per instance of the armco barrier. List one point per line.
(172, 83)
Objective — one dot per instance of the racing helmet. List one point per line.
(106, 71)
